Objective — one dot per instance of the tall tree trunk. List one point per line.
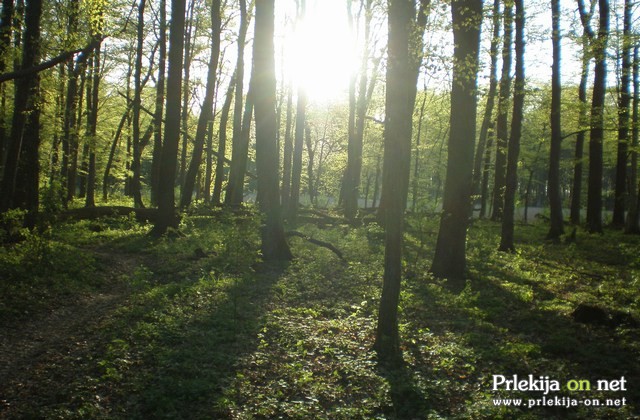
(186, 90)
(6, 20)
(511, 186)
(22, 153)
(241, 119)
(478, 167)
(578, 164)
(594, 191)
(450, 261)
(486, 172)
(633, 219)
(287, 152)
(92, 117)
(555, 198)
(206, 112)
(239, 155)
(137, 88)
(416, 157)
(112, 152)
(298, 143)
(624, 101)
(169, 158)
(222, 142)
(397, 155)
(310, 162)
(298, 147)
(502, 124)
(351, 182)
(415, 60)
(159, 105)
(274, 245)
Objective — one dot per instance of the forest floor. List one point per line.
(98, 320)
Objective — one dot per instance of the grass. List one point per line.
(207, 331)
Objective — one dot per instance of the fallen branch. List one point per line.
(318, 242)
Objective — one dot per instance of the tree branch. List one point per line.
(49, 63)
(318, 242)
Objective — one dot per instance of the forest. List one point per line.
(319, 209)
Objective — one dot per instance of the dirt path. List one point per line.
(35, 354)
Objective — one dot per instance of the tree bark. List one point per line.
(241, 119)
(92, 124)
(222, 142)
(555, 199)
(206, 111)
(274, 244)
(624, 101)
(578, 165)
(450, 260)
(351, 182)
(287, 152)
(5, 42)
(169, 158)
(397, 145)
(189, 45)
(633, 219)
(137, 90)
(478, 167)
(502, 134)
(22, 153)
(511, 187)
(594, 191)
(159, 110)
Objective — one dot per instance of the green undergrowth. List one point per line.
(208, 331)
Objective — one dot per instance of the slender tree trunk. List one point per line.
(502, 134)
(298, 147)
(92, 119)
(511, 186)
(633, 219)
(351, 182)
(486, 172)
(5, 42)
(241, 119)
(594, 192)
(310, 163)
(159, 110)
(222, 142)
(274, 245)
(239, 155)
(169, 158)
(22, 153)
(397, 155)
(576, 191)
(376, 184)
(415, 60)
(416, 157)
(186, 90)
(555, 198)
(208, 173)
(624, 101)
(483, 142)
(450, 257)
(288, 152)
(112, 153)
(137, 88)
(206, 112)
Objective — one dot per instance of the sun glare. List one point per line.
(320, 53)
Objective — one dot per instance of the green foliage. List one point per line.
(206, 331)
